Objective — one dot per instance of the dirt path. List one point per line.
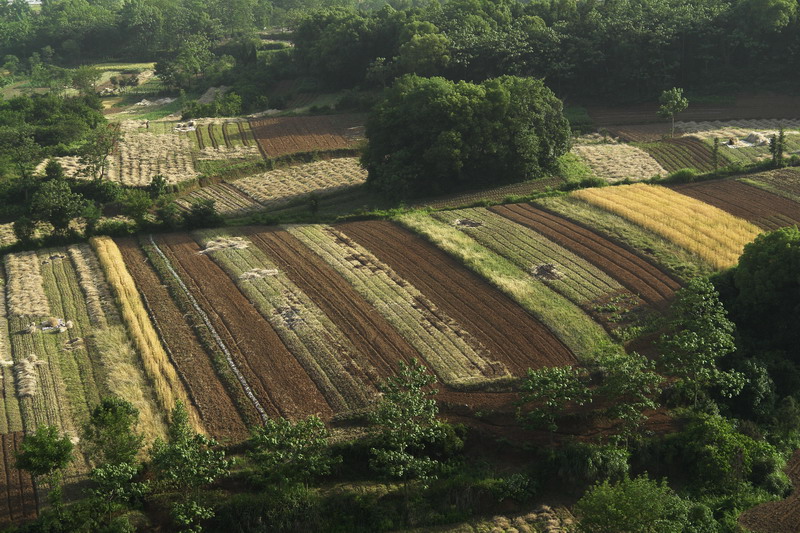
(763, 208)
(217, 410)
(279, 382)
(630, 270)
(511, 335)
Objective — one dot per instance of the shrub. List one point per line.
(684, 175)
(203, 214)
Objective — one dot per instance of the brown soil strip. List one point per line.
(631, 271)
(18, 500)
(280, 136)
(279, 382)
(217, 410)
(225, 137)
(763, 208)
(214, 142)
(244, 134)
(199, 136)
(371, 334)
(27, 490)
(511, 335)
(778, 517)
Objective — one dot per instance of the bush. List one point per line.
(684, 175)
(581, 463)
(203, 214)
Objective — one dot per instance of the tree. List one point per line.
(638, 505)
(24, 229)
(777, 146)
(53, 170)
(672, 102)
(136, 204)
(715, 154)
(24, 151)
(551, 390)
(45, 453)
(55, 203)
(84, 79)
(157, 187)
(187, 462)
(203, 214)
(288, 452)
(95, 151)
(701, 335)
(405, 422)
(109, 436)
(432, 136)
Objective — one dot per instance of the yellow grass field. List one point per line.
(712, 234)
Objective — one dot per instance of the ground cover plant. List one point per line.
(743, 200)
(566, 320)
(783, 182)
(548, 263)
(340, 372)
(616, 161)
(453, 353)
(702, 229)
(279, 136)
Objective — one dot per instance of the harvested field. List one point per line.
(19, 500)
(24, 292)
(275, 376)
(637, 275)
(736, 128)
(702, 229)
(10, 416)
(744, 106)
(683, 152)
(778, 517)
(616, 162)
(280, 136)
(512, 336)
(345, 378)
(224, 139)
(370, 332)
(455, 355)
(760, 207)
(783, 182)
(214, 405)
(228, 200)
(643, 133)
(496, 194)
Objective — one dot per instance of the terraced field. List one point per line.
(783, 182)
(280, 136)
(683, 152)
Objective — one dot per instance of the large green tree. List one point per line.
(432, 136)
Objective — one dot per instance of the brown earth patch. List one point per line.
(634, 273)
(279, 136)
(278, 381)
(778, 517)
(217, 410)
(763, 208)
(511, 335)
(18, 498)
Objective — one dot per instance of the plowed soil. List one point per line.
(778, 517)
(278, 381)
(764, 209)
(18, 500)
(745, 107)
(683, 152)
(511, 335)
(634, 273)
(371, 334)
(279, 136)
(217, 410)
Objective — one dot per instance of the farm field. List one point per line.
(783, 182)
(616, 162)
(19, 499)
(495, 194)
(760, 207)
(780, 516)
(683, 152)
(283, 187)
(702, 229)
(223, 139)
(279, 136)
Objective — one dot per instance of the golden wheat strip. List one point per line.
(711, 233)
(159, 368)
(95, 290)
(25, 289)
(615, 162)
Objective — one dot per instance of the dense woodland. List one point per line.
(456, 91)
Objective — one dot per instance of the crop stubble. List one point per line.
(220, 417)
(282, 386)
(511, 335)
(636, 274)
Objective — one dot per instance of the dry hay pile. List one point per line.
(736, 128)
(616, 162)
(280, 186)
(544, 519)
(7, 236)
(258, 273)
(25, 290)
(224, 243)
(25, 372)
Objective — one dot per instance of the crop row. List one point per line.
(10, 417)
(326, 355)
(702, 229)
(456, 357)
(783, 182)
(685, 152)
(615, 162)
(25, 290)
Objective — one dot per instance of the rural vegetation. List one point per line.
(399, 265)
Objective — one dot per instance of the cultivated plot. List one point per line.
(279, 136)
(783, 182)
(616, 162)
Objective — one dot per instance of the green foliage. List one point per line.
(55, 203)
(432, 136)
(24, 229)
(157, 186)
(286, 452)
(227, 105)
(114, 488)
(551, 390)
(44, 451)
(638, 505)
(109, 435)
(95, 151)
(405, 423)
(53, 170)
(672, 102)
(136, 203)
(580, 463)
(203, 214)
(701, 335)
